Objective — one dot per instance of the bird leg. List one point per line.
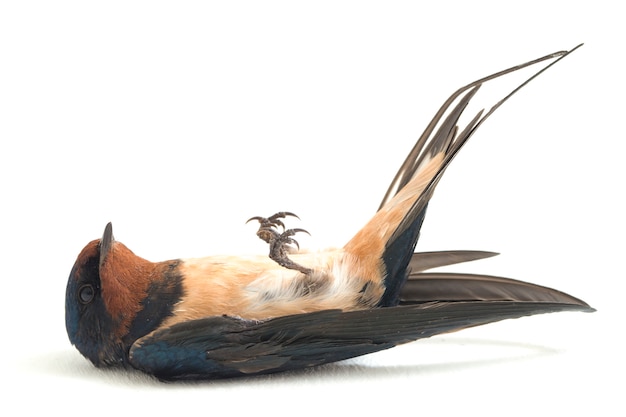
(279, 242)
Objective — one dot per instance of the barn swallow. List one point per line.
(228, 316)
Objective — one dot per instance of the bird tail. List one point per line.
(391, 235)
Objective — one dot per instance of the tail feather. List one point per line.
(423, 149)
(399, 219)
(405, 176)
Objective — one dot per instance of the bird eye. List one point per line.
(86, 293)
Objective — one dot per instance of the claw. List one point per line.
(273, 220)
(259, 218)
(283, 214)
(292, 232)
(279, 241)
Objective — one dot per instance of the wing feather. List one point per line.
(428, 287)
(422, 261)
(220, 347)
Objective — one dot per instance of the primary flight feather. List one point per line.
(227, 316)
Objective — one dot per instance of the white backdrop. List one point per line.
(177, 121)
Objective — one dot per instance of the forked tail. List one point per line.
(391, 235)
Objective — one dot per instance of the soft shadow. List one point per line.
(69, 364)
(359, 369)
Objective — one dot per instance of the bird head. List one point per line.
(105, 292)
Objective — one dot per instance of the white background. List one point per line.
(177, 121)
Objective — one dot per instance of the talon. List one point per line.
(283, 214)
(291, 232)
(273, 220)
(300, 230)
(259, 218)
(279, 242)
(290, 241)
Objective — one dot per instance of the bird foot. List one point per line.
(279, 241)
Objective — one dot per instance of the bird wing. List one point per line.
(225, 346)
(422, 261)
(446, 286)
(423, 287)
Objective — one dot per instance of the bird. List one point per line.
(226, 316)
